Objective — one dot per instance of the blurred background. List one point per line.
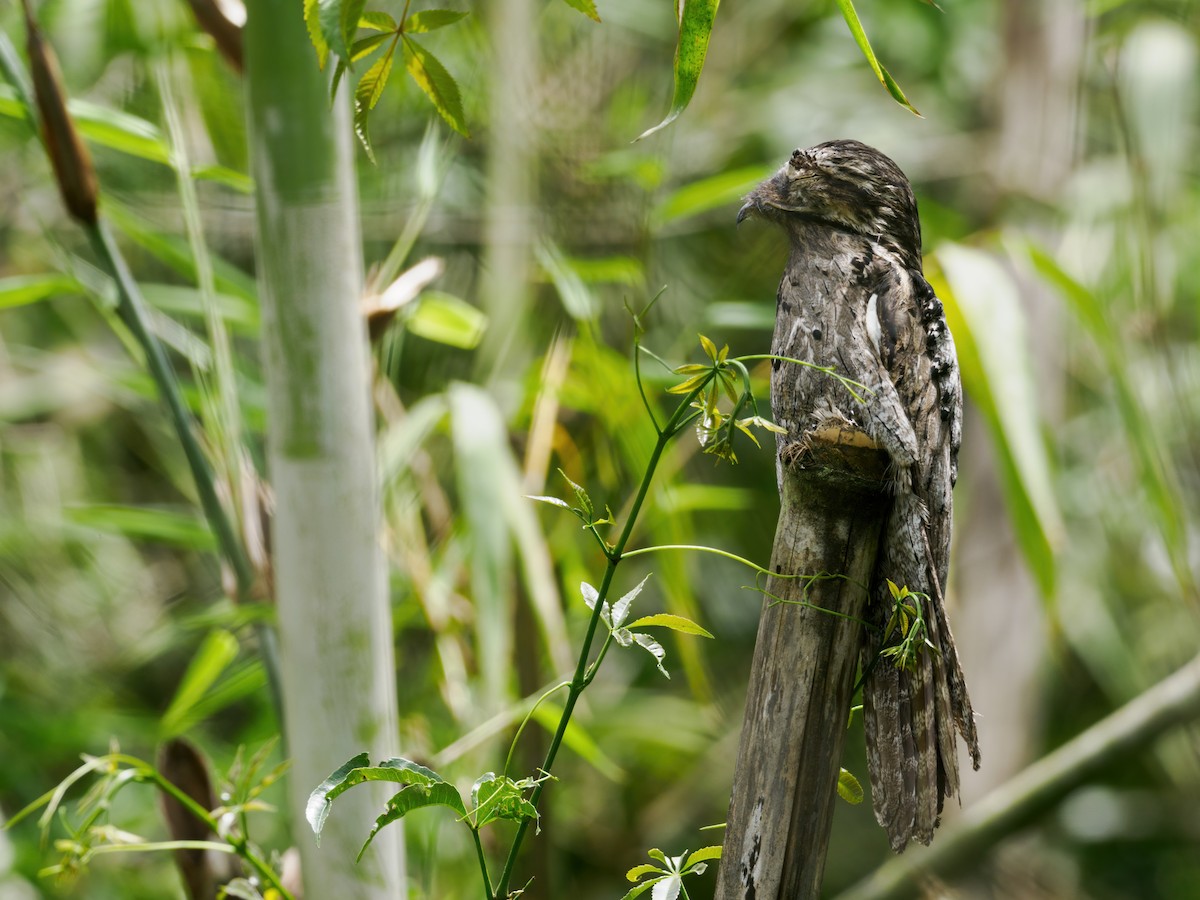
(1055, 167)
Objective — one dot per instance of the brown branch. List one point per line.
(833, 507)
(1172, 702)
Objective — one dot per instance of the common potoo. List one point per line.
(854, 297)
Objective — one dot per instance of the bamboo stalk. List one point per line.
(335, 629)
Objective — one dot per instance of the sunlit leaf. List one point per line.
(312, 22)
(439, 86)
(848, 788)
(377, 20)
(587, 7)
(860, 38)
(446, 319)
(367, 94)
(21, 290)
(695, 28)
(432, 19)
(682, 624)
(213, 657)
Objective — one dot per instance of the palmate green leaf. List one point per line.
(681, 624)
(587, 7)
(848, 788)
(413, 796)
(695, 28)
(860, 38)
(496, 798)
(377, 20)
(984, 313)
(439, 86)
(367, 94)
(432, 19)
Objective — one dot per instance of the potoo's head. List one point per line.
(845, 185)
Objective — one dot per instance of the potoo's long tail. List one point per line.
(914, 694)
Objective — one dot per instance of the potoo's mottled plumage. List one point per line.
(853, 297)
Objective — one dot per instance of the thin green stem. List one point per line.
(700, 548)
(580, 680)
(483, 869)
(525, 721)
(132, 311)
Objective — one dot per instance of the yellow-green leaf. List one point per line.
(431, 19)
(587, 7)
(439, 86)
(848, 788)
(668, 620)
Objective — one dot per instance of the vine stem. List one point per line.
(580, 680)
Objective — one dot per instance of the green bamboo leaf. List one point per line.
(983, 311)
(860, 38)
(1157, 480)
(21, 290)
(432, 19)
(213, 657)
(439, 86)
(367, 94)
(414, 796)
(695, 28)
(710, 193)
(145, 523)
(848, 788)
(682, 624)
(587, 7)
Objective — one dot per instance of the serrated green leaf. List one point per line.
(317, 809)
(446, 319)
(439, 86)
(377, 20)
(655, 649)
(848, 788)
(695, 28)
(363, 47)
(21, 290)
(351, 15)
(860, 38)
(587, 7)
(367, 94)
(497, 798)
(312, 22)
(414, 796)
(432, 19)
(681, 624)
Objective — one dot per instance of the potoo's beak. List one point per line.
(748, 208)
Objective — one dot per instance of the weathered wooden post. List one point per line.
(832, 510)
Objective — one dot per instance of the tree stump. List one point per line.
(833, 506)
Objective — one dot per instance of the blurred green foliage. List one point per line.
(1060, 201)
